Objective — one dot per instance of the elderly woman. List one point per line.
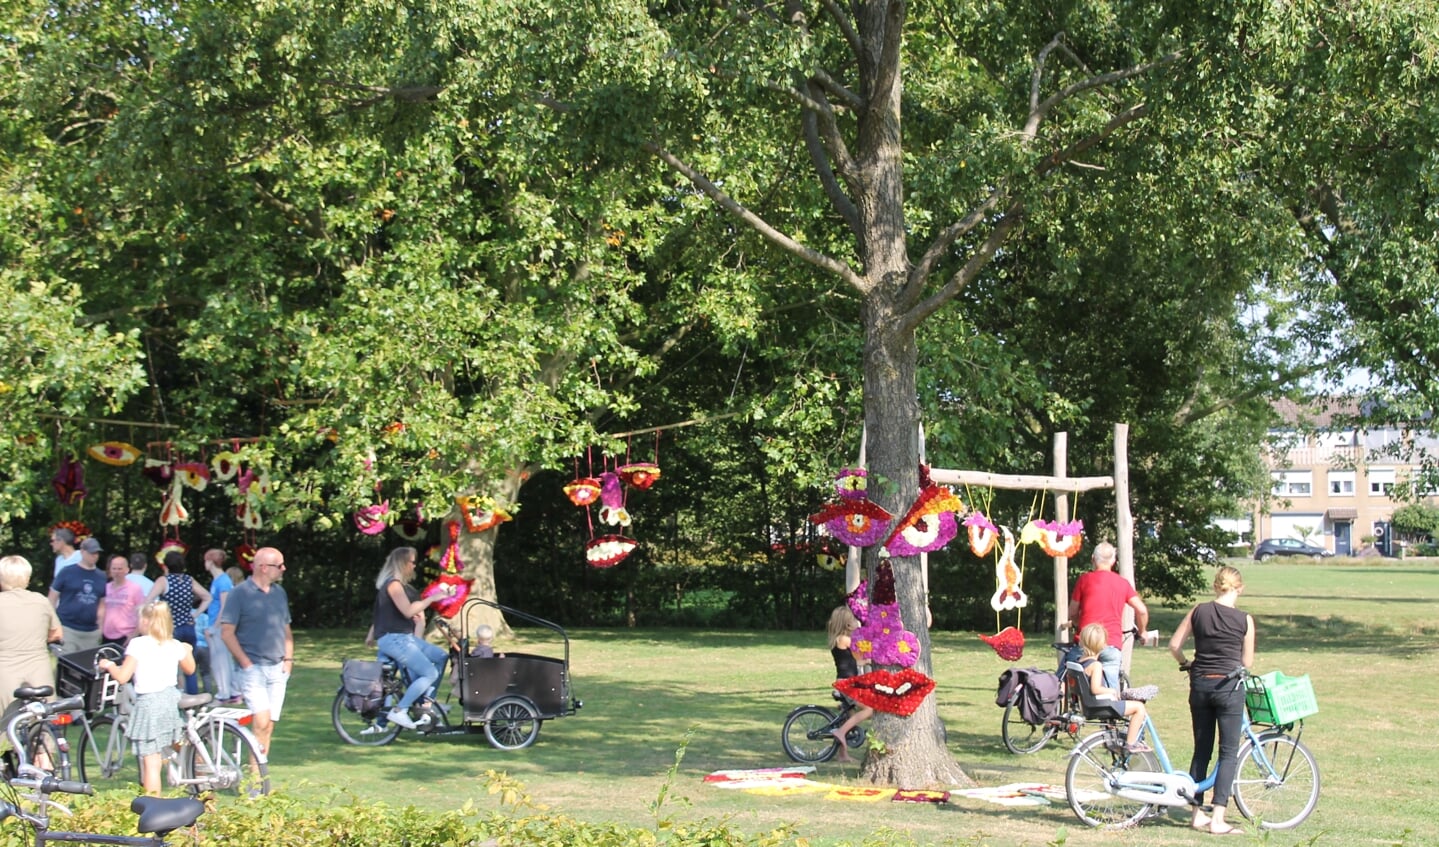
(397, 629)
(27, 624)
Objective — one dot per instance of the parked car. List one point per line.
(1271, 547)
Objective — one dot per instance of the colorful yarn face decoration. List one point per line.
(114, 453)
(897, 692)
(157, 471)
(481, 514)
(451, 589)
(929, 524)
(852, 483)
(639, 475)
(982, 534)
(1008, 643)
(882, 638)
(69, 482)
(410, 529)
(858, 523)
(612, 495)
(1061, 539)
(371, 520)
(583, 492)
(1009, 578)
(193, 475)
(609, 550)
(224, 465)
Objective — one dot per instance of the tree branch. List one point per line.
(1011, 218)
(1039, 112)
(1185, 415)
(753, 221)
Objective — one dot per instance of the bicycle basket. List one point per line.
(363, 681)
(75, 674)
(1278, 699)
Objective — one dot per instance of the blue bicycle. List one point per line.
(1277, 785)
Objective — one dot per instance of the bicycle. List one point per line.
(1022, 737)
(216, 754)
(34, 729)
(360, 718)
(158, 817)
(808, 731)
(1277, 785)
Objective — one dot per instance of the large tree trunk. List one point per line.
(914, 753)
(477, 552)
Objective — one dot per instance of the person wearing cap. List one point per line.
(78, 595)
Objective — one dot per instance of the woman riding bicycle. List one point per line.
(399, 624)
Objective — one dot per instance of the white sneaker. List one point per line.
(400, 717)
(373, 729)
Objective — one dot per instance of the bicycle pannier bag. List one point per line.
(363, 683)
(1040, 699)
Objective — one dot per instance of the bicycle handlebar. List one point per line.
(34, 778)
(44, 709)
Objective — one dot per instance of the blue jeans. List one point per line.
(1110, 658)
(186, 632)
(423, 661)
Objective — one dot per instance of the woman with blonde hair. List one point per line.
(399, 624)
(842, 622)
(1223, 648)
(153, 658)
(27, 625)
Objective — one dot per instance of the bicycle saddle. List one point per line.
(33, 692)
(163, 815)
(195, 701)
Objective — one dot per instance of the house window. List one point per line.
(1381, 481)
(1341, 483)
(1293, 483)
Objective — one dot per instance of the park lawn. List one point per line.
(1365, 633)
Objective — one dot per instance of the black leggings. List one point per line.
(1216, 703)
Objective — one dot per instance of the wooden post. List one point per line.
(1124, 525)
(1061, 563)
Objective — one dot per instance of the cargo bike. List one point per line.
(508, 696)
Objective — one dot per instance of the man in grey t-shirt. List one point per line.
(255, 626)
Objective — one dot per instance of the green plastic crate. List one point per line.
(1278, 699)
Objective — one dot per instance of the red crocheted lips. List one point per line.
(897, 692)
(609, 550)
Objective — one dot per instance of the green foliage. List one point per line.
(1416, 520)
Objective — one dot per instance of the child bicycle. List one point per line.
(158, 816)
(808, 734)
(1276, 786)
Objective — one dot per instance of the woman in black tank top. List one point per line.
(1223, 643)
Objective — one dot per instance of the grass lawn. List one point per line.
(1366, 633)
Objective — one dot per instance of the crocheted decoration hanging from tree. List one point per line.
(897, 692)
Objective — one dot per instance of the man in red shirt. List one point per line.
(1100, 597)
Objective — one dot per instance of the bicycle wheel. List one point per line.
(1019, 735)
(806, 736)
(361, 728)
(42, 749)
(1092, 777)
(512, 723)
(1281, 793)
(103, 751)
(235, 765)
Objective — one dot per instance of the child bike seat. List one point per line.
(1095, 707)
